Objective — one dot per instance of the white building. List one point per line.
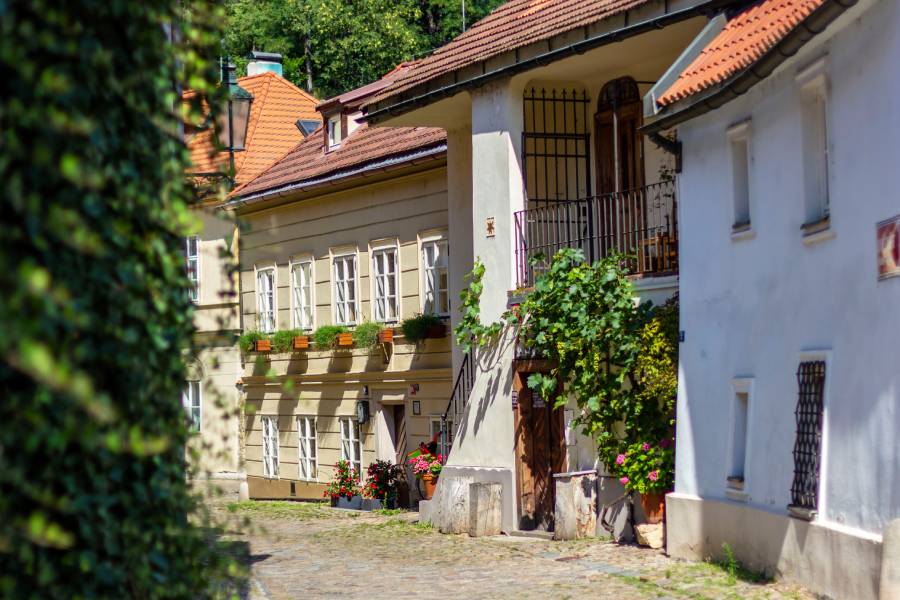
(789, 382)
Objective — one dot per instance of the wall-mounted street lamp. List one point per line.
(233, 121)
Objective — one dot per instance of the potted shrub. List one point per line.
(254, 341)
(423, 326)
(386, 336)
(345, 340)
(427, 467)
(326, 336)
(366, 335)
(290, 340)
(383, 482)
(344, 487)
(648, 469)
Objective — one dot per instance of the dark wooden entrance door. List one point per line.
(399, 440)
(540, 452)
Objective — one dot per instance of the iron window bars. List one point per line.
(808, 444)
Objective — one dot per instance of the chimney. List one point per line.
(260, 62)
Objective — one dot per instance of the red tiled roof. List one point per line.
(512, 25)
(308, 160)
(277, 104)
(745, 39)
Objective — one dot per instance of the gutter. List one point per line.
(703, 8)
(378, 166)
(740, 83)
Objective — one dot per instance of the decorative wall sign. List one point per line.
(417, 407)
(888, 236)
(515, 399)
(491, 229)
(413, 389)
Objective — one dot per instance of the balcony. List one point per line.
(641, 223)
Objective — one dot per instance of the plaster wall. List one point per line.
(751, 306)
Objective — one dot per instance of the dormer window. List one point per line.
(334, 131)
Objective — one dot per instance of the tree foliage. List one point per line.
(95, 313)
(331, 46)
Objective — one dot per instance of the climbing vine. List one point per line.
(616, 358)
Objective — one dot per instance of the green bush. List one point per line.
(283, 341)
(247, 340)
(326, 336)
(416, 328)
(366, 334)
(95, 314)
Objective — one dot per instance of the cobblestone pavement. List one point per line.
(308, 551)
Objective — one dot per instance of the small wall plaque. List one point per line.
(491, 230)
(417, 407)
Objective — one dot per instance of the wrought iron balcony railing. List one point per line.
(641, 223)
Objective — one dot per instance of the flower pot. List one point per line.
(436, 331)
(386, 336)
(301, 342)
(354, 503)
(654, 505)
(429, 482)
(345, 340)
(262, 345)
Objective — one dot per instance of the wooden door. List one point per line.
(399, 415)
(540, 452)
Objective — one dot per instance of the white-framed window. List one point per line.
(191, 400)
(740, 420)
(302, 284)
(385, 279)
(739, 141)
(345, 288)
(351, 444)
(270, 446)
(265, 299)
(308, 448)
(334, 131)
(443, 446)
(435, 276)
(813, 84)
(192, 262)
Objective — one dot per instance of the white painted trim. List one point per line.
(376, 246)
(271, 418)
(339, 252)
(199, 263)
(257, 268)
(741, 385)
(315, 439)
(423, 237)
(299, 259)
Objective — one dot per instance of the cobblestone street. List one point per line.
(309, 551)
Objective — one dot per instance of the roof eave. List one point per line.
(392, 106)
(738, 84)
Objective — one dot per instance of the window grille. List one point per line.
(436, 275)
(384, 268)
(556, 146)
(808, 444)
(190, 399)
(192, 258)
(351, 445)
(301, 284)
(345, 289)
(265, 299)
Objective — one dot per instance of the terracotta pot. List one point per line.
(654, 506)
(301, 342)
(386, 336)
(262, 345)
(430, 482)
(437, 331)
(345, 340)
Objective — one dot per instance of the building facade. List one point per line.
(211, 396)
(544, 152)
(788, 387)
(347, 229)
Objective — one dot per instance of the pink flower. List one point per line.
(645, 446)
(623, 481)
(653, 476)
(620, 459)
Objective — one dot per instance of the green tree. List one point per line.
(94, 312)
(331, 46)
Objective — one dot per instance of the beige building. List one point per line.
(211, 395)
(349, 227)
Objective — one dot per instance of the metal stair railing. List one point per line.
(459, 397)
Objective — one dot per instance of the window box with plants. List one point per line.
(424, 326)
(290, 340)
(255, 341)
(331, 337)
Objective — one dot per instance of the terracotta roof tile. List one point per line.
(308, 160)
(277, 104)
(745, 39)
(512, 25)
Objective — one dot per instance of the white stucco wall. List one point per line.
(749, 307)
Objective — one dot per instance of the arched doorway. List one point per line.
(620, 164)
